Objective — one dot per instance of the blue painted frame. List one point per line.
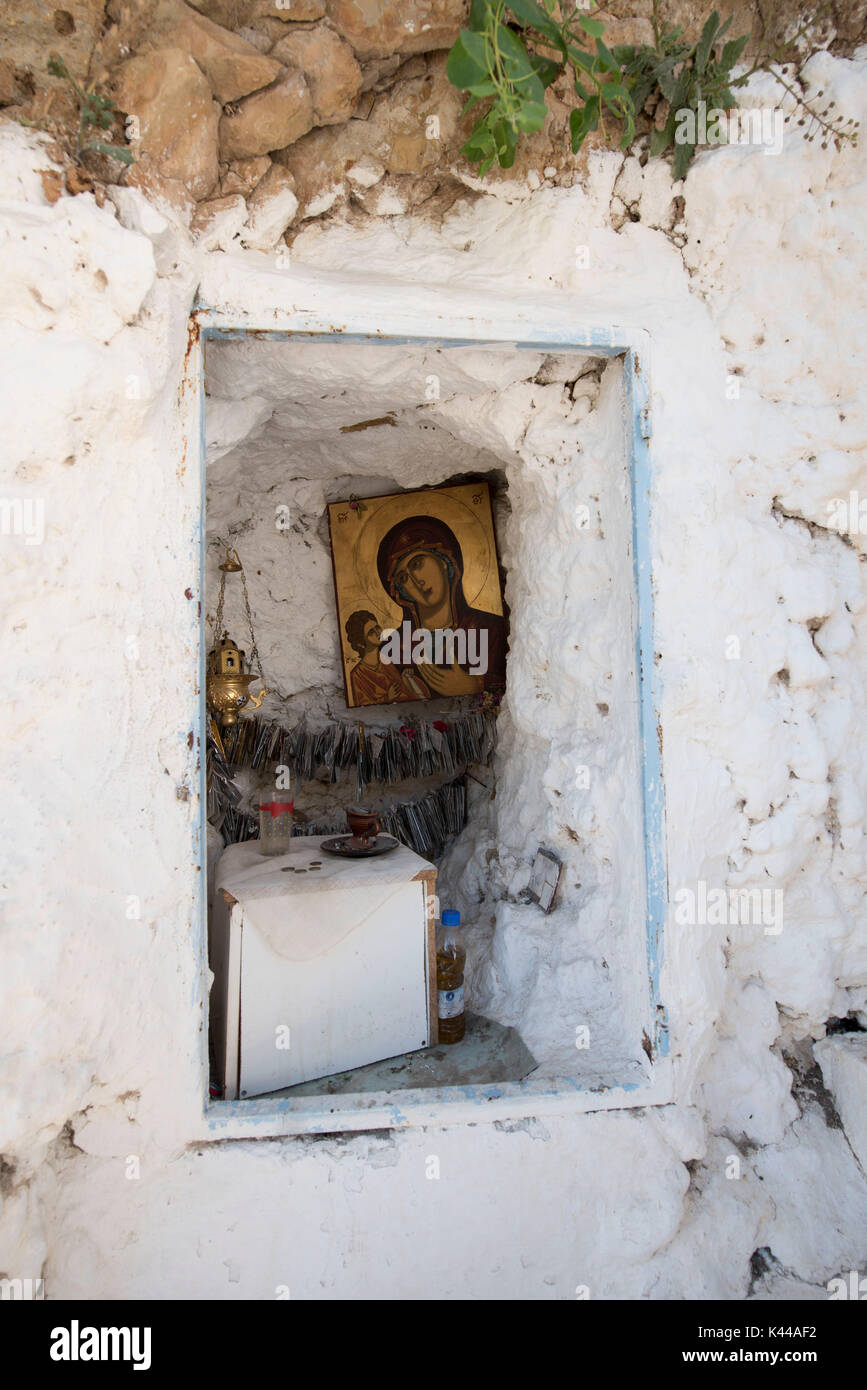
(455, 1104)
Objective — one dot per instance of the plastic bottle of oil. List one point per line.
(451, 958)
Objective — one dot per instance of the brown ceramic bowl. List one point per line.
(364, 825)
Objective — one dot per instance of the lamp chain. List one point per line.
(218, 629)
(254, 650)
(218, 626)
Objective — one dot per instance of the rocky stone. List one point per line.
(10, 91)
(381, 73)
(317, 162)
(233, 67)
(390, 198)
(297, 10)
(329, 67)
(30, 30)
(217, 222)
(168, 236)
(54, 106)
(169, 196)
(137, 214)
(632, 29)
(270, 209)
(364, 106)
(260, 40)
(178, 119)
(243, 175)
(393, 137)
(366, 172)
(377, 28)
(325, 199)
(416, 66)
(270, 31)
(850, 21)
(80, 180)
(268, 120)
(52, 184)
(397, 194)
(11, 115)
(379, 70)
(231, 14)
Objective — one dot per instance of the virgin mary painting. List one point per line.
(419, 596)
(421, 567)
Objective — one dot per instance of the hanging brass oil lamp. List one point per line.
(227, 688)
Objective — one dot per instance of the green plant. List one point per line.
(514, 50)
(685, 75)
(498, 59)
(95, 113)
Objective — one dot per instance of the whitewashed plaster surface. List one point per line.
(765, 776)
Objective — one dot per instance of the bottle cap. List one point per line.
(451, 918)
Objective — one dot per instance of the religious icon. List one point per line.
(419, 599)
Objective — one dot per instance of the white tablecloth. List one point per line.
(306, 914)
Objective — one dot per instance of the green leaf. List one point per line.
(581, 122)
(705, 43)
(531, 116)
(667, 84)
(545, 68)
(594, 27)
(722, 29)
(116, 151)
(607, 61)
(487, 88)
(619, 102)
(584, 60)
(56, 66)
(616, 91)
(577, 128)
(641, 91)
(485, 165)
(467, 63)
(519, 69)
(506, 140)
(666, 66)
(682, 159)
(531, 14)
(680, 92)
(480, 143)
(732, 51)
(478, 15)
(659, 141)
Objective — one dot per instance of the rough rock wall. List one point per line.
(248, 118)
(763, 778)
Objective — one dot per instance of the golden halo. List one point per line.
(470, 522)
